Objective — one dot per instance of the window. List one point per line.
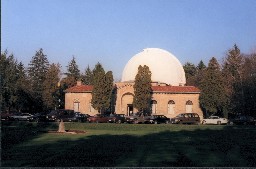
(76, 106)
(189, 106)
(171, 106)
(154, 106)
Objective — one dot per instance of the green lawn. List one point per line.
(128, 145)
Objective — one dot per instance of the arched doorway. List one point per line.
(189, 106)
(126, 104)
(171, 106)
(153, 106)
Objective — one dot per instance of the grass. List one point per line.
(126, 145)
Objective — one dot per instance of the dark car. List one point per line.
(61, 114)
(243, 120)
(7, 116)
(186, 118)
(139, 118)
(38, 117)
(77, 117)
(98, 118)
(116, 118)
(157, 119)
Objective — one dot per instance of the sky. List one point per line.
(113, 31)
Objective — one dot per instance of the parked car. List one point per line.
(116, 118)
(215, 120)
(138, 118)
(52, 116)
(157, 119)
(61, 114)
(6, 116)
(186, 118)
(98, 118)
(77, 117)
(21, 117)
(243, 119)
(38, 117)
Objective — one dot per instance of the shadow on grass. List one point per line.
(229, 147)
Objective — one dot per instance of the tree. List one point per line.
(37, 71)
(73, 73)
(24, 98)
(249, 84)
(50, 96)
(232, 71)
(212, 98)
(190, 73)
(102, 89)
(142, 89)
(87, 78)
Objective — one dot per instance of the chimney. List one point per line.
(79, 83)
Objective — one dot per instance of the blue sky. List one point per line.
(112, 31)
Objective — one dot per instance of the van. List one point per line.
(186, 118)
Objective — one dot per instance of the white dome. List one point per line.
(164, 66)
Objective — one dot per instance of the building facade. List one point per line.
(170, 96)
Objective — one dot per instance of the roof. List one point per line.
(166, 89)
(79, 89)
(176, 89)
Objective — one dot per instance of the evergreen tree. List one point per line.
(8, 77)
(88, 76)
(72, 75)
(232, 71)
(248, 84)
(37, 71)
(24, 98)
(73, 69)
(142, 89)
(50, 84)
(190, 73)
(98, 88)
(212, 98)
(200, 69)
(201, 65)
(108, 88)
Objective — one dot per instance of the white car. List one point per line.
(215, 120)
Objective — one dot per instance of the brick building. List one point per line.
(170, 96)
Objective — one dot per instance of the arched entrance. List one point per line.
(126, 103)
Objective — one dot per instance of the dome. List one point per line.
(164, 66)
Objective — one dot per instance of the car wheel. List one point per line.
(166, 122)
(219, 122)
(119, 121)
(155, 122)
(97, 121)
(231, 123)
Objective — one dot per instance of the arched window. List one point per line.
(154, 106)
(171, 106)
(76, 106)
(189, 106)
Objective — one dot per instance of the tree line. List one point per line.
(226, 88)
(41, 86)
(229, 87)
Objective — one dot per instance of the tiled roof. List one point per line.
(168, 89)
(79, 88)
(176, 89)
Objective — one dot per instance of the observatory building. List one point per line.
(170, 96)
